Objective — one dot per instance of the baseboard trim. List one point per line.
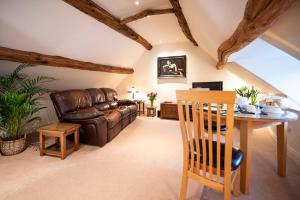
(292, 153)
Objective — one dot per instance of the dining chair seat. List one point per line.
(214, 126)
(237, 155)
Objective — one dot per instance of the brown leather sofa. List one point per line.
(101, 115)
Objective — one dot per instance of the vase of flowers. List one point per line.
(152, 96)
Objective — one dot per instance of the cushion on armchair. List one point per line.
(87, 113)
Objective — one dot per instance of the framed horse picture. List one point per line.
(171, 67)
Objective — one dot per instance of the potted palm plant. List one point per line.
(19, 103)
(247, 96)
(250, 94)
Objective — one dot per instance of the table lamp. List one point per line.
(133, 90)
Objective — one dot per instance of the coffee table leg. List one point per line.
(63, 146)
(42, 144)
(76, 140)
(281, 149)
(245, 143)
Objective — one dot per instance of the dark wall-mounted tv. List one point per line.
(216, 85)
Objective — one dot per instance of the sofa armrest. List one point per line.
(124, 102)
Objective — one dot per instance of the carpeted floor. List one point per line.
(143, 163)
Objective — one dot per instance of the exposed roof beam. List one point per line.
(92, 9)
(57, 61)
(258, 17)
(182, 21)
(146, 13)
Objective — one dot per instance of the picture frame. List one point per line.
(171, 67)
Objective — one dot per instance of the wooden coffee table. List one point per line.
(60, 131)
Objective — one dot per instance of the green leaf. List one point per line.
(20, 98)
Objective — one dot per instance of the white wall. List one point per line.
(293, 131)
(284, 33)
(200, 67)
(294, 138)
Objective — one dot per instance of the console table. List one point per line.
(168, 110)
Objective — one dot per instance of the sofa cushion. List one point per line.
(133, 109)
(102, 106)
(125, 102)
(110, 94)
(71, 100)
(124, 110)
(113, 104)
(113, 117)
(87, 113)
(97, 95)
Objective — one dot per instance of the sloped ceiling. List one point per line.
(213, 21)
(284, 34)
(54, 27)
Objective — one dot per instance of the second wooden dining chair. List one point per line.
(208, 158)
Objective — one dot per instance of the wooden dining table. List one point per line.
(249, 122)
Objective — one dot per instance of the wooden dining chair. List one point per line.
(208, 158)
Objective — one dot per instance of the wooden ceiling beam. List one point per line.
(57, 61)
(182, 21)
(92, 9)
(146, 13)
(258, 17)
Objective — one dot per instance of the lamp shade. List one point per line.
(133, 90)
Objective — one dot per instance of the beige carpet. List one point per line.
(143, 163)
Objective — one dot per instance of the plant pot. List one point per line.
(9, 148)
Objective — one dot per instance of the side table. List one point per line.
(60, 131)
(141, 106)
(151, 111)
